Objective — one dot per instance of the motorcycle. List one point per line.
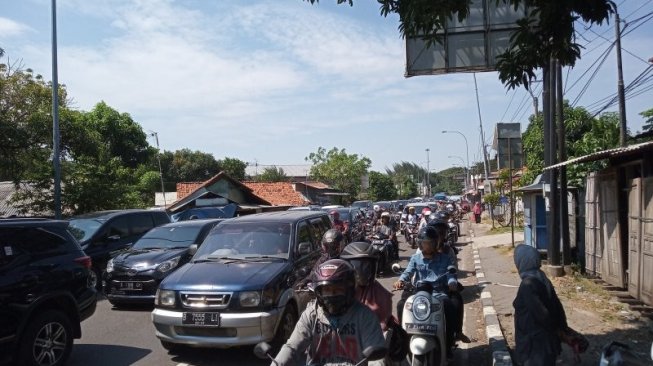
(263, 351)
(616, 353)
(410, 233)
(452, 232)
(386, 249)
(423, 318)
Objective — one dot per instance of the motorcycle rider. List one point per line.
(332, 244)
(335, 328)
(364, 258)
(376, 217)
(337, 223)
(431, 261)
(387, 231)
(411, 218)
(424, 220)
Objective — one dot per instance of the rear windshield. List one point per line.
(247, 239)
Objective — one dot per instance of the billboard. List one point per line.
(508, 145)
(468, 46)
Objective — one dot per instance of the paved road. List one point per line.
(123, 337)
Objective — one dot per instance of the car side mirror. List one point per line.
(304, 248)
(192, 249)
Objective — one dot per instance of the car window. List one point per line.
(141, 223)
(318, 229)
(119, 228)
(305, 235)
(32, 241)
(160, 218)
(247, 239)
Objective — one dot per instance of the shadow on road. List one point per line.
(106, 354)
(237, 356)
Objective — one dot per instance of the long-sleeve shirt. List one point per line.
(332, 340)
(429, 269)
(378, 299)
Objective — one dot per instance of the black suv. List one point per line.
(45, 291)
(104, 234)
(239, 288)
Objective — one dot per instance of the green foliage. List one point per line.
(340, 170)
(234, 167)
(405, 176)
(648, 124)
(381, 187)
(449, 180)
(584, 135)
(272, 174)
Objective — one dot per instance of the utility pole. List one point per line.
(554, 224)
(158, 158)
(55, 118)
(428, 174)
(620, 81)
(562, 147)
(485, 159)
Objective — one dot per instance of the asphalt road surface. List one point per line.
(120, 337)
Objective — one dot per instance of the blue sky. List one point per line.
(271, 81)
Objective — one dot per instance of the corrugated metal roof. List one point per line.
(299, 170)
(605, 154)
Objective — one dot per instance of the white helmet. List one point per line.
(449, 207)
(385, 214)
(377, 208)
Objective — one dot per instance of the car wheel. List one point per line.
(286, 326)
(47, 340)
(95, 278)
(171, 347)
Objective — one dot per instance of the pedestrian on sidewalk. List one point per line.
(477, 212)
(539, 316)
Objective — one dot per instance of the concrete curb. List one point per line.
(496, 340)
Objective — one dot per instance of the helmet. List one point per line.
(428, 232)
(443, 215)
(377, 208)
(363, 257)
(426, 211)
(332, 242)
(335, 286)
(335, 214)
(449, 207)
(411, 209)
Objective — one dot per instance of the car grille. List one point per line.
(214, 300)
(206, 332)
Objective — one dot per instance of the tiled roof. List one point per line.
(278, 194)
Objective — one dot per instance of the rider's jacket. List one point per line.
(332, 340)
(429, 269)
(411, 219)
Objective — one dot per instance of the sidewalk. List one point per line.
(590, 311)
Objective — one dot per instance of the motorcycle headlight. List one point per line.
(421, 308)
(110, 266)
(250, 298)
(168, 265)
(164, 298)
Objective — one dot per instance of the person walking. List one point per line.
(477, 212)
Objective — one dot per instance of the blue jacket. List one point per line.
(430, 269)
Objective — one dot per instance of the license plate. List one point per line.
(133, 286)
(426, 328)
(212, 319)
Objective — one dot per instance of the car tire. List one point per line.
(47, 340)
(95, 278)
(286, 326)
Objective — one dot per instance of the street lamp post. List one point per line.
(158, 158)
(428, 174)
(462, 161)
(467, 152)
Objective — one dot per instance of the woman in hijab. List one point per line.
(539, 316)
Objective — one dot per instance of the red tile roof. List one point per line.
(278, 194)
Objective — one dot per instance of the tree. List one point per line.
(272, 174)
(405, 175)
(340, 170)
(381, 187)
(584, 135)
(186, 165)
(449, 180)
(548, 29)
(648, 124)
(234, 167)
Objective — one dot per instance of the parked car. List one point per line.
(365, 205)
(103, 234)
(306, 208)
(239, 288)
(133, 276)
(44, 291)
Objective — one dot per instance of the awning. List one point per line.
(605, 154)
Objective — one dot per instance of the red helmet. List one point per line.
(335, 214)
(335, 286)
(425, 210)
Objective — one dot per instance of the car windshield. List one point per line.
(168, 237)
(344, 215)
(246, 240)
(83, 229)
(361, 204)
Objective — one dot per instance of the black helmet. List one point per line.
(335, 285)
(363, 257)
(428, 232)
(332, 242)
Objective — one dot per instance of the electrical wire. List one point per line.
(509, 104)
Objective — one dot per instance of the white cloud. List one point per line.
(11, 28)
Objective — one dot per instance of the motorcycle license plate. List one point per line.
(422, 328)
(212, 319)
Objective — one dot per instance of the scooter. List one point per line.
(618, 354)
(423, 318)
(263, 350)
(386, 249)
(410, 233)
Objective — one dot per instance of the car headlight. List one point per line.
(168, 265)
(164, 298)
(421, 308)
(110, 266)
(250, 298)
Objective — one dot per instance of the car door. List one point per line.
(304, 262)
(115, 236)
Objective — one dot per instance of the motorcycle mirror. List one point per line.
(452, 269)
(372, 353)
(396, 268)
(262, 350)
